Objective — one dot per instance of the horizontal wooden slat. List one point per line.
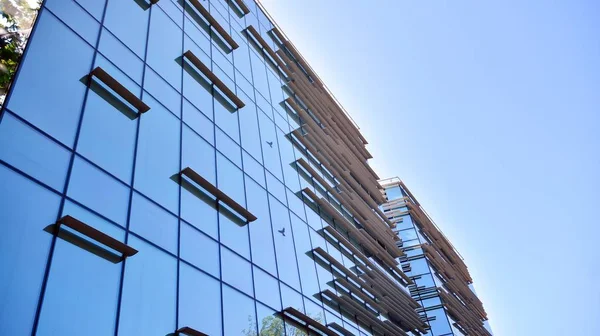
(216, 81)
(117, 87)
(309, 321)
(219, 195)
(190, 332)
(101, 237)
(213, 23)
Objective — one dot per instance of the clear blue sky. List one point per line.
(490, 113)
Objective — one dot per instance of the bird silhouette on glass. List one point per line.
(282, 231)
(270, 143)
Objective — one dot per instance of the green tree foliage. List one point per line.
(16, 21)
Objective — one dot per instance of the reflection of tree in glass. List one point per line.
(274, 326)
(16, 20)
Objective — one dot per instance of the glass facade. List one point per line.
(431, 289)
(107, 110)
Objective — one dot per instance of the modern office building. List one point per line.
(176, 167)
(441, 282)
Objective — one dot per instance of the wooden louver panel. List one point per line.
(216, 81)
(218, 194)
(213, 23)
(117, 87)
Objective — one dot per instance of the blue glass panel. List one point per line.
(173, 11)
(199, 301)
(229, 148)
(226, 117)
(162, 91)
(439, 325)
(393, 193)
(198, 122)
(121, 56)
(267, 289)
(263, 250)
(239, 318)
(291, 298)
(24, 247)
(254, 169)
(250, 131)
(308, 275)
(158, 156)
(94, 7)
(269, 322)
(234, 233)
(99, 191)
(236, 271)
(108, 130)
(197, 88)
(149, 292)
(33, 153)
(269, 146)
(230, 179)
(83, 288)
(165, 48)
(199, 250)
(284, 244)
(58, 89)
(153, 223)
(76, 18)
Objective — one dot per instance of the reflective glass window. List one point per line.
(284, 244)
(239, 318)
(263, 250)
(229, 148)
(198, 122)
(58, 89)
(267, 289)
(418, 266)
(158, 156)
(153, 223)
(165, 48)
(230, 179)
(82, 288)
(33, 153)
(199, 301)
(24, 248)
(226, 116)
(99, 191)
(121, 56)
(162, 91)
(132, 31)
(108, 129)
(149, 292)
(197, 88)
(95, 7)
(236, 271)
(234, 232)
(250, 131)
(254, 169)
(199, 250)
(270, 146)
(439, 324)
(76, 18)
(308, 275)
(269, 322)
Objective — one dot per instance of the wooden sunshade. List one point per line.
(117, 87)
(242, 6)
(216, 81)
(100, 237)
(213, 23)
(189, 331)
(308, 320)
(278, 63)
(218, 194)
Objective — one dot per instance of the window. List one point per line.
(24, 247)
(149, 290)
(33, 153)
(83, 288)
(199, 250)
(57, 89)
(199, 301)
(239, 318)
